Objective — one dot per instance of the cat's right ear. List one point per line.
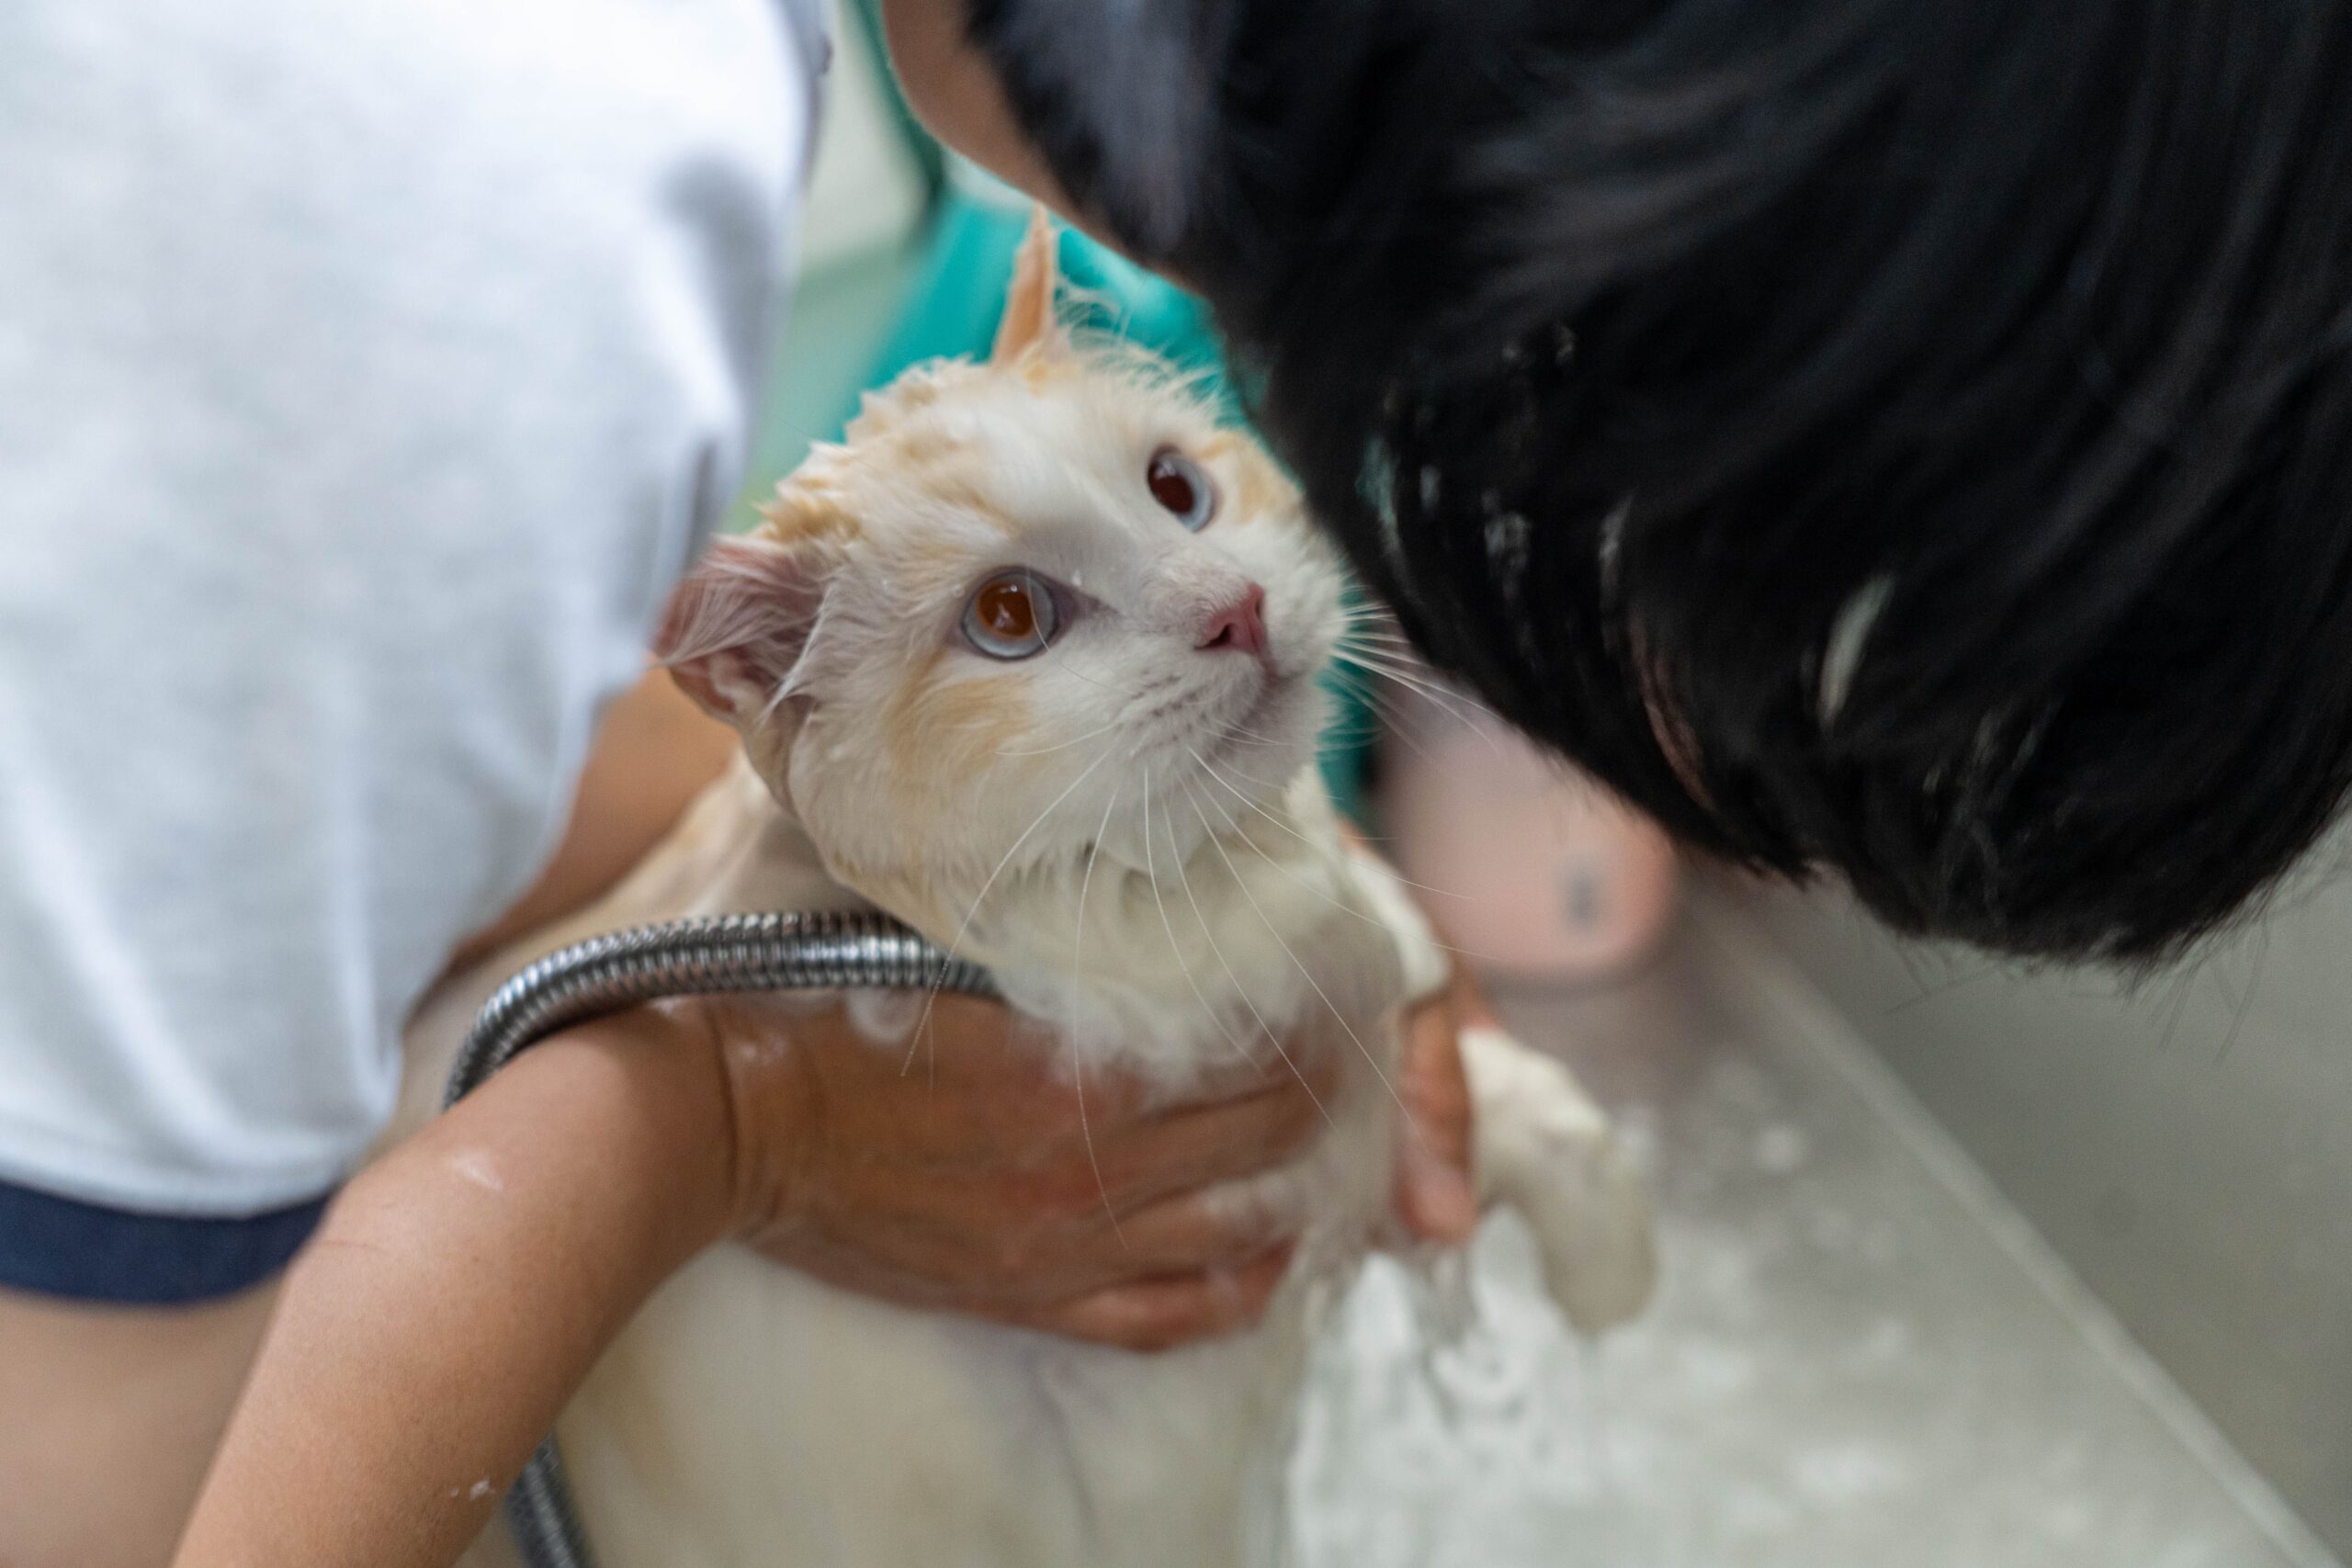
(737, 625)
(1029, 324)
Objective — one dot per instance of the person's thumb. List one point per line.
(1436, 1196)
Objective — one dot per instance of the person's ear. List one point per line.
(736, 627)
(1029, 324)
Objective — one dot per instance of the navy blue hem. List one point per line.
(61, 1246)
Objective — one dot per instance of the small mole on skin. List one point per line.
(476, 1167)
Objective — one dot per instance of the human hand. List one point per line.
(1436, 1192)
(977, 1182)
(974, 1184)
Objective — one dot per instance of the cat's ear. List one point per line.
(736, 627)
(1029, 321)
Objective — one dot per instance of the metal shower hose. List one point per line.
(608, 974)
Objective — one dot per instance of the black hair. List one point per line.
(1909, 439)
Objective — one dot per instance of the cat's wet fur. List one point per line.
(1125, 825)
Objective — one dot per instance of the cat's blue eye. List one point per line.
(1180, 486)
(1012, 616)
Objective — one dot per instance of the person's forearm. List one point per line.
(458, 1293)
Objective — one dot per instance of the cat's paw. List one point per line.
(1545, 1149)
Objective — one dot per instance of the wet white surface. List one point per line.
(1858, 1357)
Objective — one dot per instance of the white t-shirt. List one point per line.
(369, 371)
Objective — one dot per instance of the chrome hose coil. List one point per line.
(704, 956)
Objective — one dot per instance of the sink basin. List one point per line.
(1861, 1355)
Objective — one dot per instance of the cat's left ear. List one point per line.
(1029, 323)
(736, 627)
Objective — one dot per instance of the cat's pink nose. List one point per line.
(1241, 626)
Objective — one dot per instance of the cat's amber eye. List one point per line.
(1180, 486)
(1012, 616)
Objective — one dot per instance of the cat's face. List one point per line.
(1030, 606)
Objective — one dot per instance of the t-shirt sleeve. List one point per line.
(56, 1247)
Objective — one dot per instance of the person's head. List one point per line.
(1911, 438)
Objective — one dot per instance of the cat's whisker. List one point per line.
(1094, 850)
(1150, 859)
(1411, 679)
(1372, 636)
(1351, 648)
(1054, 653)
(1297, 881)
(1400, 661)
(1229, 772)
(1388, 664)
(1378, 713)
(1406, 674)
(1266, 784)
(1242, 732)
(1402, 664)
(1374, 633)
(1086, 1134)
(1074, 740)
(1359, 634)
(1239, 990)
(1353, 736)
(953, 947)
(1411, 1129)
(1294, 832)
(1383, 713)
(1449, 702)
(1234, 825)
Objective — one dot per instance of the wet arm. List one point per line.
(458, 1293)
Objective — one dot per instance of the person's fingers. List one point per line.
(971, 1247)
(1435, 1085)
(1197, 1189)
(1322, 1072)
(1159, 1314)
(992, 1239)
(1216, 1227)
(1212, 1229)
(986, 1191)
(1200, 1145)
(1046, 1111)
(1075, 1168)
(1435, 1193)
(972, 1084)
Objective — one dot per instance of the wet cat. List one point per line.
(1030, 661)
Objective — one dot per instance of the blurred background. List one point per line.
(1965, 1264)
